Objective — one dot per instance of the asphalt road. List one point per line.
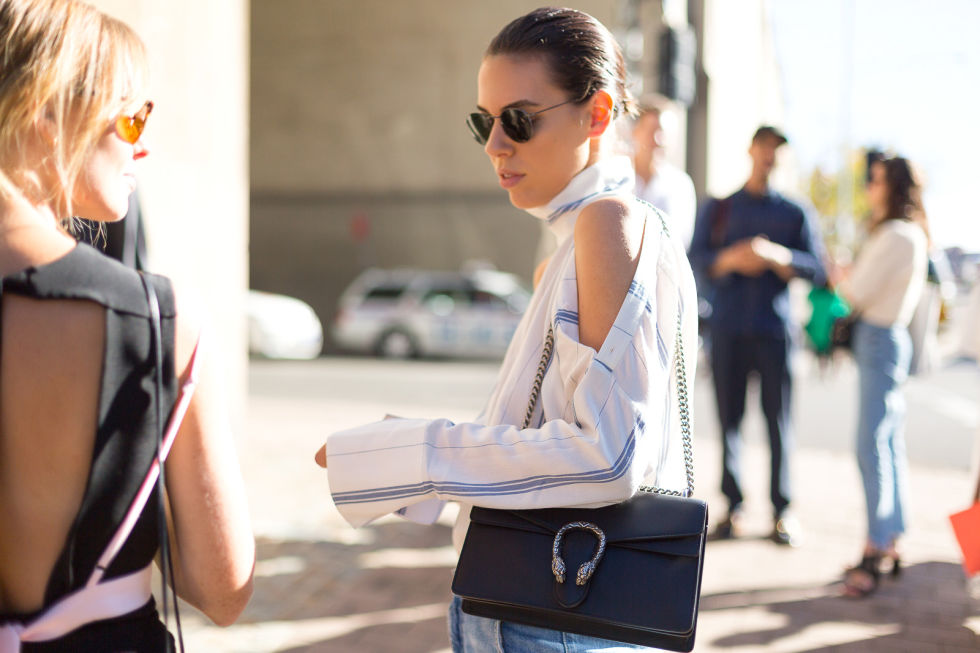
(943, 407)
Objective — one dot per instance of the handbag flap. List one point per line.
(651, 522)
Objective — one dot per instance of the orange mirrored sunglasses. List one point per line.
(130, 128)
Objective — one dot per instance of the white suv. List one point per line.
(407, 313)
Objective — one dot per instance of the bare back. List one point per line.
(50, 368)
(49, 385)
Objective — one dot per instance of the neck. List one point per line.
(645, 165)
(29, 234)
(757, 184)
(17, 211)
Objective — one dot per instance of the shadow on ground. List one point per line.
(925, 604)
(392, 586)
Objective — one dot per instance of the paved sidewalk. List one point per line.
(324, 587)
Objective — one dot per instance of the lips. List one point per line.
(509, 179)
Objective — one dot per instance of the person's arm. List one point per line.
(602, 435)
(700, 252)
(803, 258)
(212, 543)
(711, 262)
(607, 249)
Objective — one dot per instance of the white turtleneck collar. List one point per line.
(607, 177)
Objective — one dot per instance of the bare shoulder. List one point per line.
(609, 232)
(608, 237)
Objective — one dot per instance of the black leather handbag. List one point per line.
(629, 572)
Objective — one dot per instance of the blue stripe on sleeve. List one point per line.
(540, 482)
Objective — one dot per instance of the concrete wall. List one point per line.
(194, 184)
(358, 110)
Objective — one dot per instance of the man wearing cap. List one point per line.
(747, 247)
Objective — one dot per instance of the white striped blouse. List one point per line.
(605, 420)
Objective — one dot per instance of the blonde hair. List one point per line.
(69, 65)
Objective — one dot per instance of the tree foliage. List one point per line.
(841, 214)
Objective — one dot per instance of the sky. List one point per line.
(901, 75)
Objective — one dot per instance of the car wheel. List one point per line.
(397, 344)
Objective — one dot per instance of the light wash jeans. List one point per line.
(470, 634)
(882, 356)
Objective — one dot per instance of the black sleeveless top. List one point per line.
(125, 440)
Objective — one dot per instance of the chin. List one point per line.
(519, 203)
(103, 213)
(526, 200)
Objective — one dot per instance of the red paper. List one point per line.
(966, 527)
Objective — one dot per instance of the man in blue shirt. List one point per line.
(745, 249)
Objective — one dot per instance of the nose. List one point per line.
(498, 143)
(140, 150)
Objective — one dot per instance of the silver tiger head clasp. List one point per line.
(586, 569)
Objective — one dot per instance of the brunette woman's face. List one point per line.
(107, 178)
(535, 171)
(877, 190)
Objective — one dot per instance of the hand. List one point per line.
(774, 254)
(836, 273)
(321, 457)
(740, 257)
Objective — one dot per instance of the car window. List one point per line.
(484, 299)
(443, 300)
(384, 293)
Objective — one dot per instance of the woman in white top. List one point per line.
(550, 87)
(883, 288)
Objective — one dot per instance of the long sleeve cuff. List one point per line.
(395, 460)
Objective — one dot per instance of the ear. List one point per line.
(46, 126)
(602, 113)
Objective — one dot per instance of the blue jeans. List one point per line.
(882, 356)
(470, 634)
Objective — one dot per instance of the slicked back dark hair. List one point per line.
(581, 53)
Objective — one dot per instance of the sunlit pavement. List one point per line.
(322, 586)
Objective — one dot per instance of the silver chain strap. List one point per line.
(681, 373)
(682, 399)
(549, 345)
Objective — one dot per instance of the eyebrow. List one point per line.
(519, 104)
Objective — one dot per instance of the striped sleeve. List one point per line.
(388, 466)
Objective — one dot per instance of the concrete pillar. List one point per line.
(194, 184)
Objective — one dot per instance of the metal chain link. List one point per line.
(549, 345)
(682, 400)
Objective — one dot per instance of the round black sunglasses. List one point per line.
(517, 123)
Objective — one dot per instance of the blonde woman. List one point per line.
(78, 395)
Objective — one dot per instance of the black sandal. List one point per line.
(862, 580)
(896, 562)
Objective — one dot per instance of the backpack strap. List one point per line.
(719, 221)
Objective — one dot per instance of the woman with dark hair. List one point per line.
(84, 381)
(883, 288)
(612, 298)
